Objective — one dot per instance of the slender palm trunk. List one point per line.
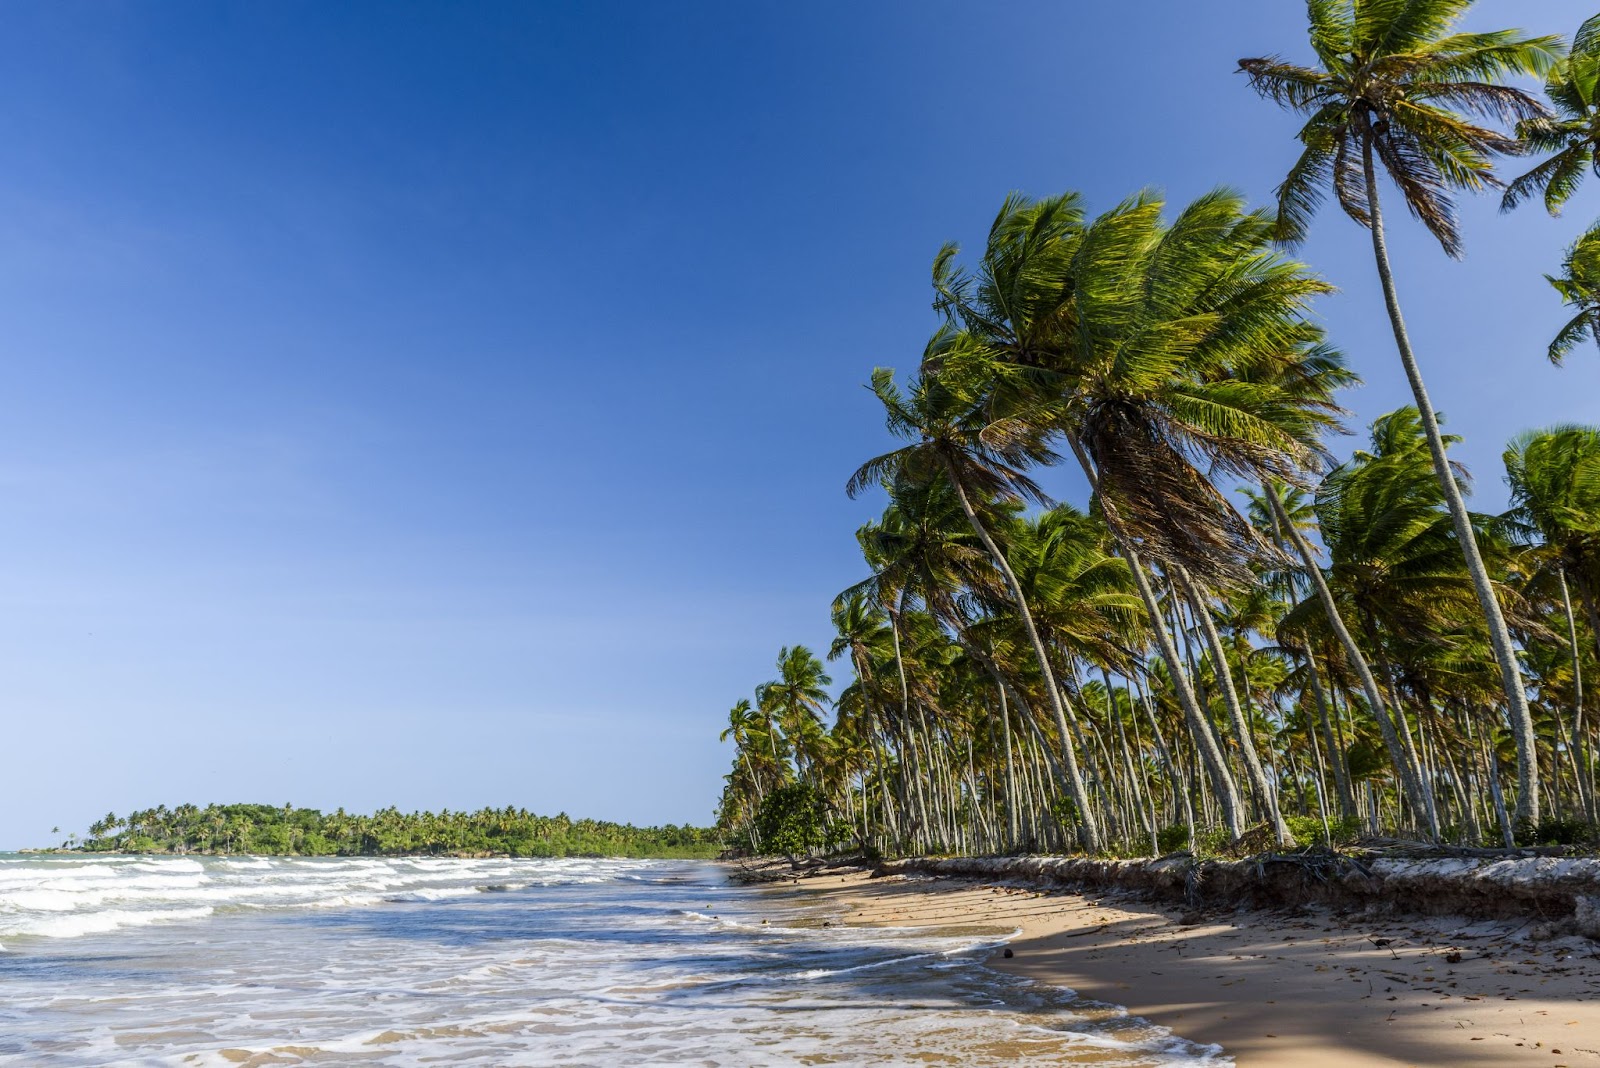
(1369, 684)
(910, 748)
(1230, 699)
(1205, 739)
(1012, 830)
(1579, 757)
(1176, 776)
(1090, 832)
(1341, 771)
(1499, 635)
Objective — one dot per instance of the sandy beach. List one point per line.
(1301, 988)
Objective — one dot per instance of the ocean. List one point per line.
(231, 961)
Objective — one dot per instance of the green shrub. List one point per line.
(793, 820)
(1555, 832)
(1171, 839)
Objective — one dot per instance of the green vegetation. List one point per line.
(291, 831)
(1238, 642)
(794, 820)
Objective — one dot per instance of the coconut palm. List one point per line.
(798, 699)
(1162, 351)
(1554, 475)
(1572, 134)
(953, 441)
(1397, 85)
(1579, 286)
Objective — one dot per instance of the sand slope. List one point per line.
(1303, 988)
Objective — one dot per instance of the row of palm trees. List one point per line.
(1168, 666)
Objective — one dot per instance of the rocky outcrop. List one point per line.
(1559, 890)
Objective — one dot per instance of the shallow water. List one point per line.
(409, 962)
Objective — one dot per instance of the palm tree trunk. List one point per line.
(1011, 774)
(1341, 771)
(1175, 774)
(1352, 651)
(1579, 759)
(1230, 699)
(1499, 635)
(1199, 726)
(1090, 832)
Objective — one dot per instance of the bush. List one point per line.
(1171, 839)
(1555, 832)
(793, 820)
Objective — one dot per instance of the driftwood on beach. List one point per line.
(1561, 891)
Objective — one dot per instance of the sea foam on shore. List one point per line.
(410, 961)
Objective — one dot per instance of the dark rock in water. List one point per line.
(1009, 954)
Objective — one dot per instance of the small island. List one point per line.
(308, 832)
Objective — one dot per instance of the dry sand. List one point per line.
(1306, 988)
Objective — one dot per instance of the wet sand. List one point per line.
(1302, 988)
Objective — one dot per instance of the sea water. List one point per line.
(410, 961)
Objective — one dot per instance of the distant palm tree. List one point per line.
(798, 698)
(1396, 85)
(953, 441)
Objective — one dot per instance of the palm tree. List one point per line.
(1554, 476)
(1396, 85)
(798, 699)
(1157, 349)
(1397, 571)
(744, 727)
(1579, 286)
(953, 442)
(1572, 133)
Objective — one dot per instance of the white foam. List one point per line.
(406, 962)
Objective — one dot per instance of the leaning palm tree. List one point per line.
(798, 698)
(1398, 86)
(1554, 476)
(1555, 494)
(1579, 286)
(1166, 353)
(953, 441)
(1572, 133)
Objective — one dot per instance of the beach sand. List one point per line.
(1302, 988)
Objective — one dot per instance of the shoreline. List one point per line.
(1305, 986)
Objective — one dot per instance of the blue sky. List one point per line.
(446, 405)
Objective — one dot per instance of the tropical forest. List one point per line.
(1241, 640)
(267, 830)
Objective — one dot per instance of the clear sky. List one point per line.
(449, 405)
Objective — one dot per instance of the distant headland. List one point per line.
(309, 832)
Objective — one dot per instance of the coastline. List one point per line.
(1300, 986)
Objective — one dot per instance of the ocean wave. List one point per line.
(59, 897)
(75, 925)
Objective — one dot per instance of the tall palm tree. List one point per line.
(1579, 285)
(1161, 351)
(1273, 497)
(1398, 572)
(798, 699)
(1554, 476)
(1398, 85)
(953, 441)
(1572, 133)
(744, 728)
